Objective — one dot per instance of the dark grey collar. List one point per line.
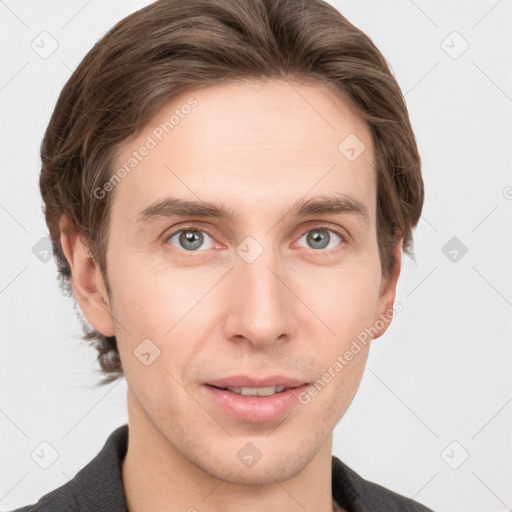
(98, 487)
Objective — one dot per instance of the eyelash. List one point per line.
(314, 228)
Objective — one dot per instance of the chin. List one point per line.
(264, 472)
(276, 462)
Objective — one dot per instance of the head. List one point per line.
(288, 131)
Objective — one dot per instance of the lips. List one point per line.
(255, 399)
(243, 381)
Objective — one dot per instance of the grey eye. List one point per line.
(190, 239)
(320, 238)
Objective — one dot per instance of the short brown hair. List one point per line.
(174, 46)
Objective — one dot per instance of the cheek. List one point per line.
(153, 298)
(343, 299)
(171, 307)
(347, 304)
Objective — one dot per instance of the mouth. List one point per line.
(254, 391)
(255, 400)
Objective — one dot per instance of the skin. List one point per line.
(257, 147)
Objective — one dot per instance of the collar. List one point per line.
(99, 486)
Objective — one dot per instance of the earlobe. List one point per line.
(388, 292)
(87, 281)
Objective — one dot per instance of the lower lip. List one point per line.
(255, 408)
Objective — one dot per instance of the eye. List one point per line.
(190, 239)
(320, 238)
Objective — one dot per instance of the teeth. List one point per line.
(268, 391)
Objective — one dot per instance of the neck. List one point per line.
(156, 476)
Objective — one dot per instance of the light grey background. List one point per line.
(438, 384)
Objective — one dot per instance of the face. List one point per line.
(272, 293)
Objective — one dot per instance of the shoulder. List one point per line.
(96, 487)
(62, 499)
(359, 494)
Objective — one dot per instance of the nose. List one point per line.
(261, 308)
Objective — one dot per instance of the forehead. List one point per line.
(251, 145)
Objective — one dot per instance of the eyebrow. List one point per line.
(176, 207)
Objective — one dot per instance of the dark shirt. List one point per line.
(98, 487)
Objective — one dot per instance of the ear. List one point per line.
(88, 284)
(385, 310)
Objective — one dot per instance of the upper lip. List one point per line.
(245, 381)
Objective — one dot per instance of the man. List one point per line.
(229, 186)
